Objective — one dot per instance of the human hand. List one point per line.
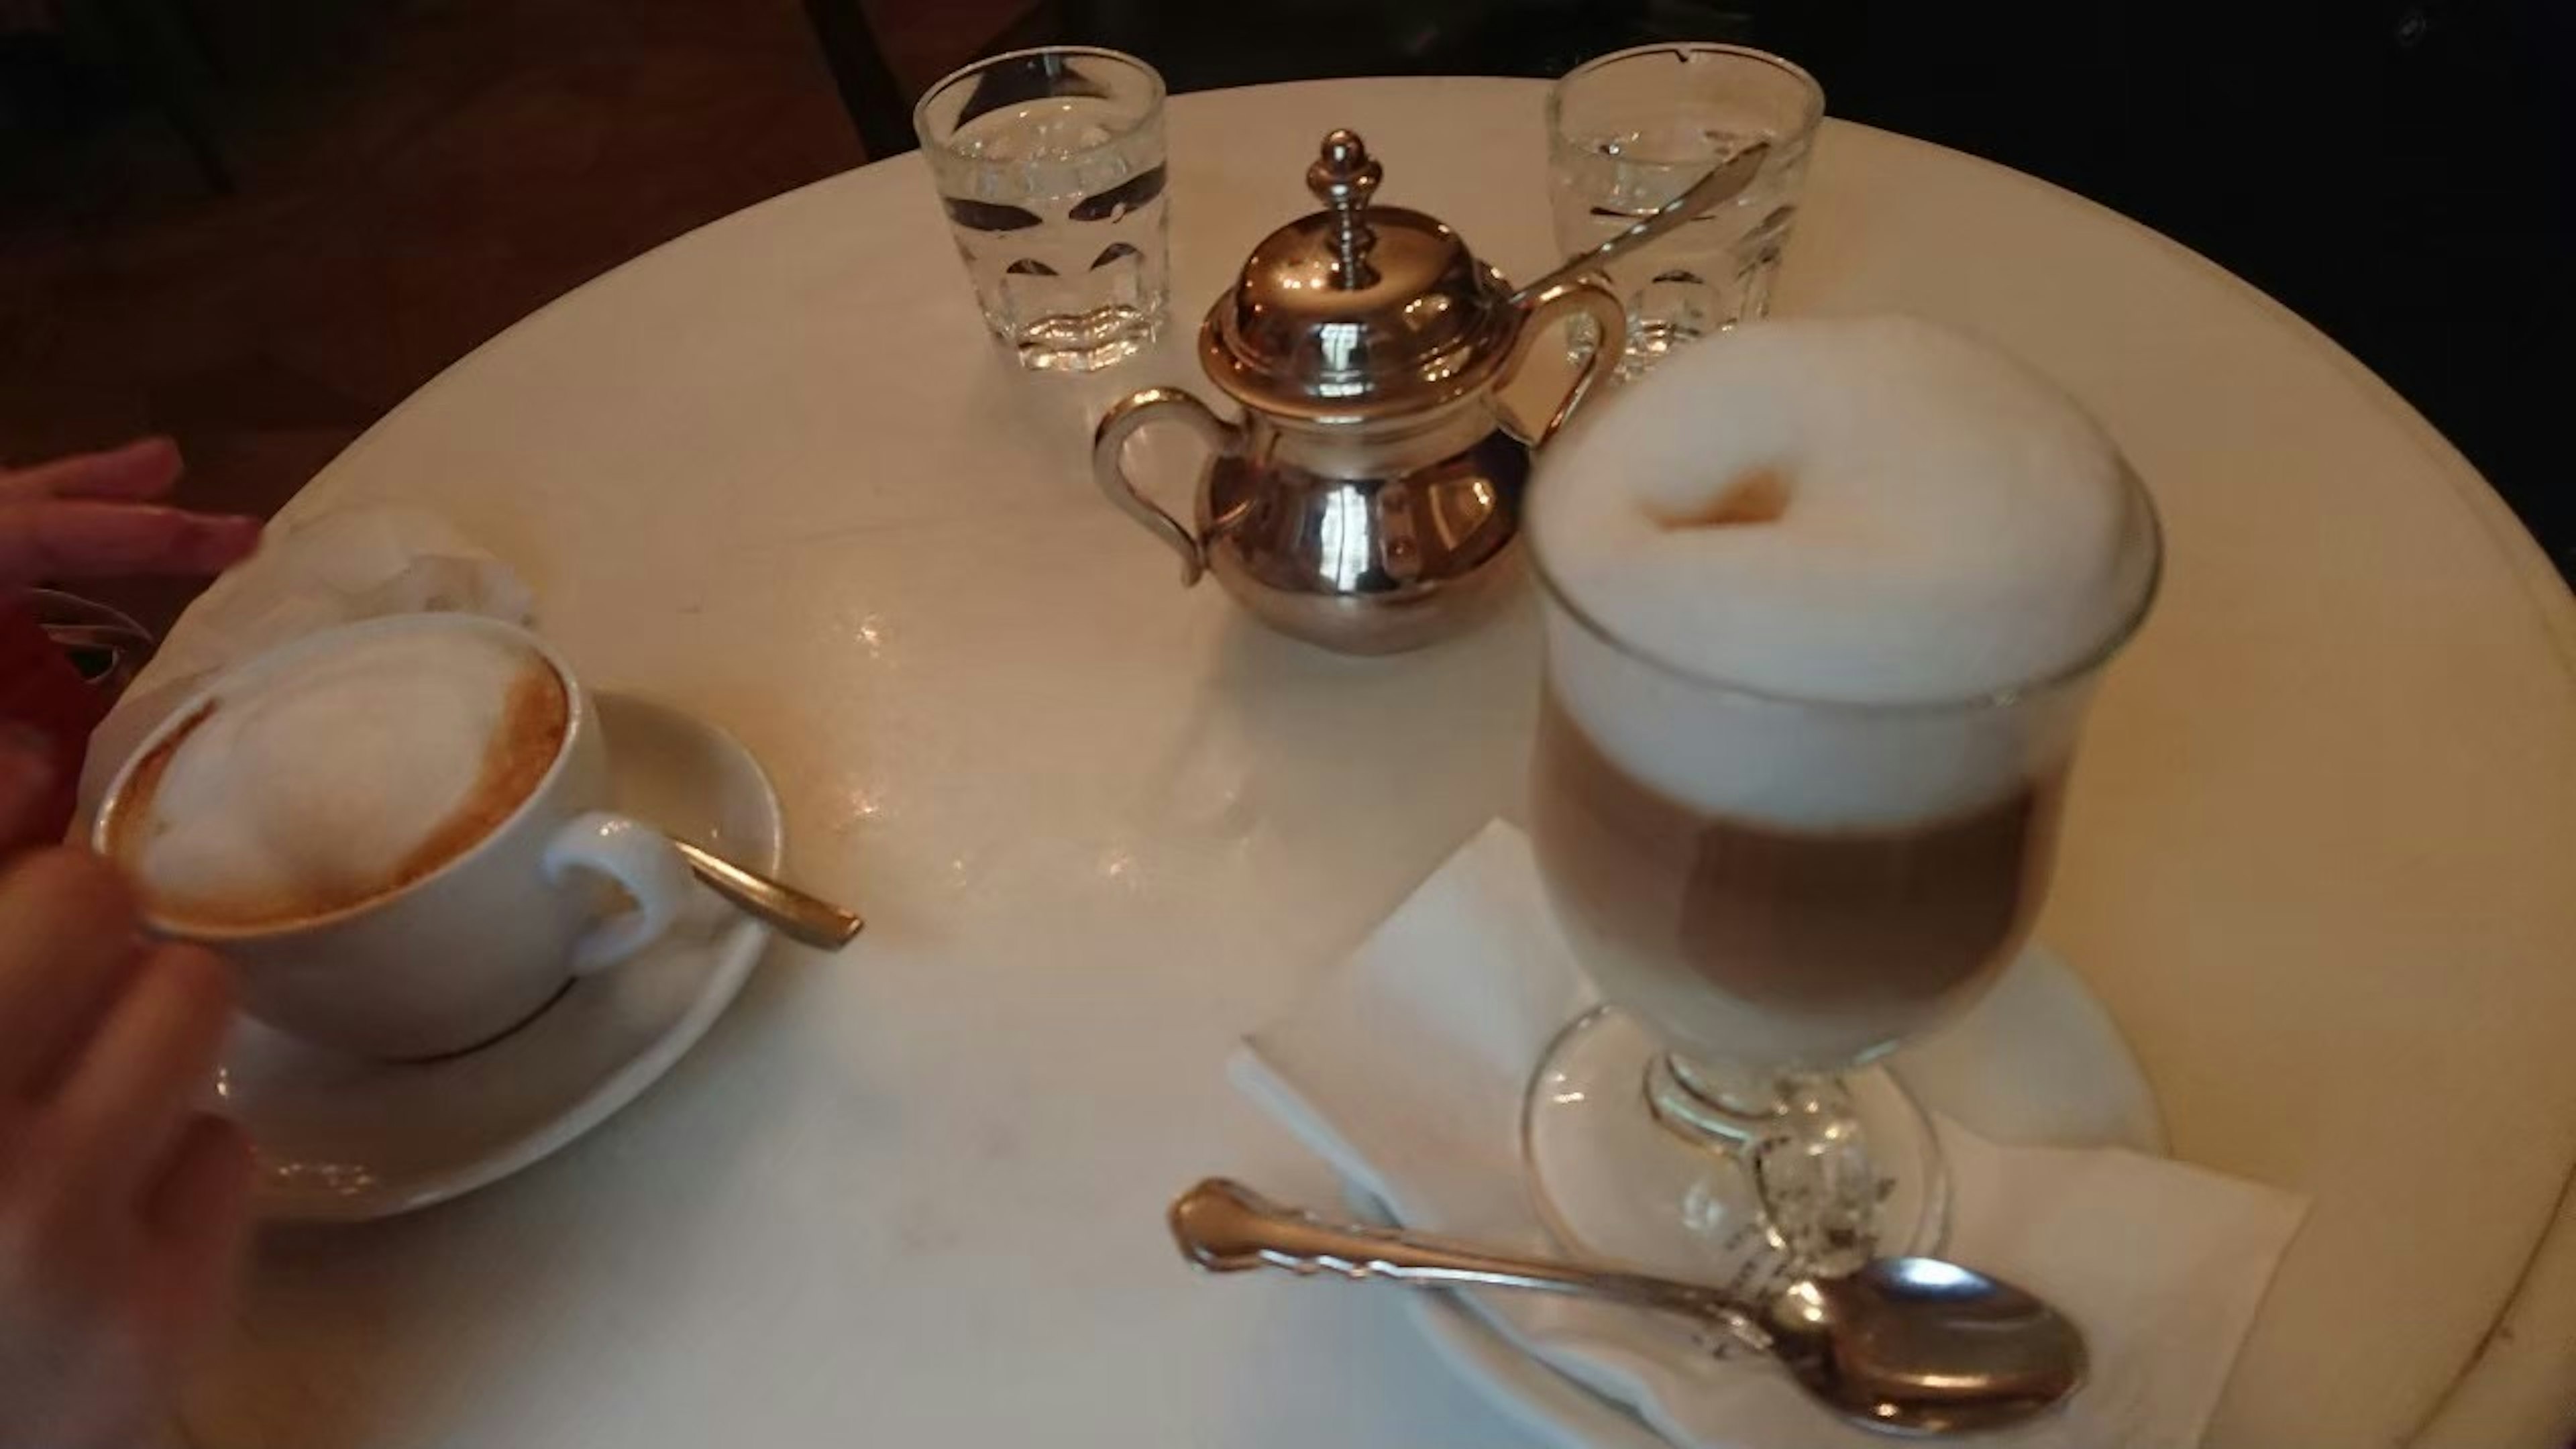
(92, 516)
(122, 1207)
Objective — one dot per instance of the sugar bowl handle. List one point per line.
(1549, 307)
(1109, 469)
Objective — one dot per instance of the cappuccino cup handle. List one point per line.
(641, 863)
(1109, 466)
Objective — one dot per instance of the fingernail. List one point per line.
(226, 536)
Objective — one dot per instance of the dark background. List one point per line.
(2402, 173)
(407, 177)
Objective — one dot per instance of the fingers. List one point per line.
(79, 539)
(205, 1183)
(26, 776)
(137, 1085)
(72, 940)
(197, 1214)
(90, 517)
(142, 469)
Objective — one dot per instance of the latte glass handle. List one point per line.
(1578, 296)
(1109, 468)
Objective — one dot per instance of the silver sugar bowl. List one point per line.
(1369, 500)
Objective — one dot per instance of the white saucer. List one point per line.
(343, 1140)
(2039, 1061)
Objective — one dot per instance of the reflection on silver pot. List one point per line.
(1370, 498)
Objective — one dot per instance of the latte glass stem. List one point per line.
(1798, 1137)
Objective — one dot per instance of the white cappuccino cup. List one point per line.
(396, 832)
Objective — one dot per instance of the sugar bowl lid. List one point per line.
(1357, 311)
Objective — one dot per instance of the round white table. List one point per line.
(772, 472)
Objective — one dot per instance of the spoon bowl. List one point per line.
(1921, 1346)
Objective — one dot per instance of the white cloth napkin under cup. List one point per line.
(364, 562)
(1406, 1069)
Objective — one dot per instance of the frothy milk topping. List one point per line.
(1870, 511)
(344, 774)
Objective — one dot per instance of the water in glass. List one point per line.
(1058, 208)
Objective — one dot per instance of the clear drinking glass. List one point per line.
(1050, 165)
(1632, 130)
(1866, 872)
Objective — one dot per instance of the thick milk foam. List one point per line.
(1867, 512)
(323, 782)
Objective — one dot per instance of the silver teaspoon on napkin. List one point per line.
(1904, 1346)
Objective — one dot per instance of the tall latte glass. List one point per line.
(1824, 612)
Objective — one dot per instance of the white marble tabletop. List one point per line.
(771, 472)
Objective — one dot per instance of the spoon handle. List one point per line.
(1718, 186)
(1225, 1227)
(800, 917)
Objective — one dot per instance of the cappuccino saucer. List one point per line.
(343, 1139)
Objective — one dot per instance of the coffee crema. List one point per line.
(330, 780)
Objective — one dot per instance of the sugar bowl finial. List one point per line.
(1344, 177)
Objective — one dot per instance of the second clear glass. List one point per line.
(1630, 131)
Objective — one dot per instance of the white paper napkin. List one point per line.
(358, 563)
(1406, 1069)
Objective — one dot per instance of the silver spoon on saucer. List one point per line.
(806, 919)
(1904, 1346)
